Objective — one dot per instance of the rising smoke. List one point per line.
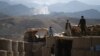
(41, 10)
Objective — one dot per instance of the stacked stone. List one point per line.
(15, 48)
(10, 53)
(34, 49)
(11, 48)
(6, 44)
(6, 47)
(3, 53)
(21, 48)
(28, 49)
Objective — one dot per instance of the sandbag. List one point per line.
(6, 44)
(3, 53)
(10, 53)
(21, 46)
(21, 53)
(28, 46)
(29, 54)
(15, 46)
(15, 53)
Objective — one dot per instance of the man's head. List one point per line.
(82, 17)
(67, 20)
(50, 27)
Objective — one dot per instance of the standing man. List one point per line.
(68, 28)
(50, 32)
(82, 25)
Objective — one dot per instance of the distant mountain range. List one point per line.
(14, 9)
(76, 9)
(73, 6)
(71, 9)
(89, 14)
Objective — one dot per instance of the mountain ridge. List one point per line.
(89, 14)
(73, 6)
(14, 10)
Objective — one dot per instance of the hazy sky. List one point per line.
(94, 2)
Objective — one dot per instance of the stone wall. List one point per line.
(21, 48)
